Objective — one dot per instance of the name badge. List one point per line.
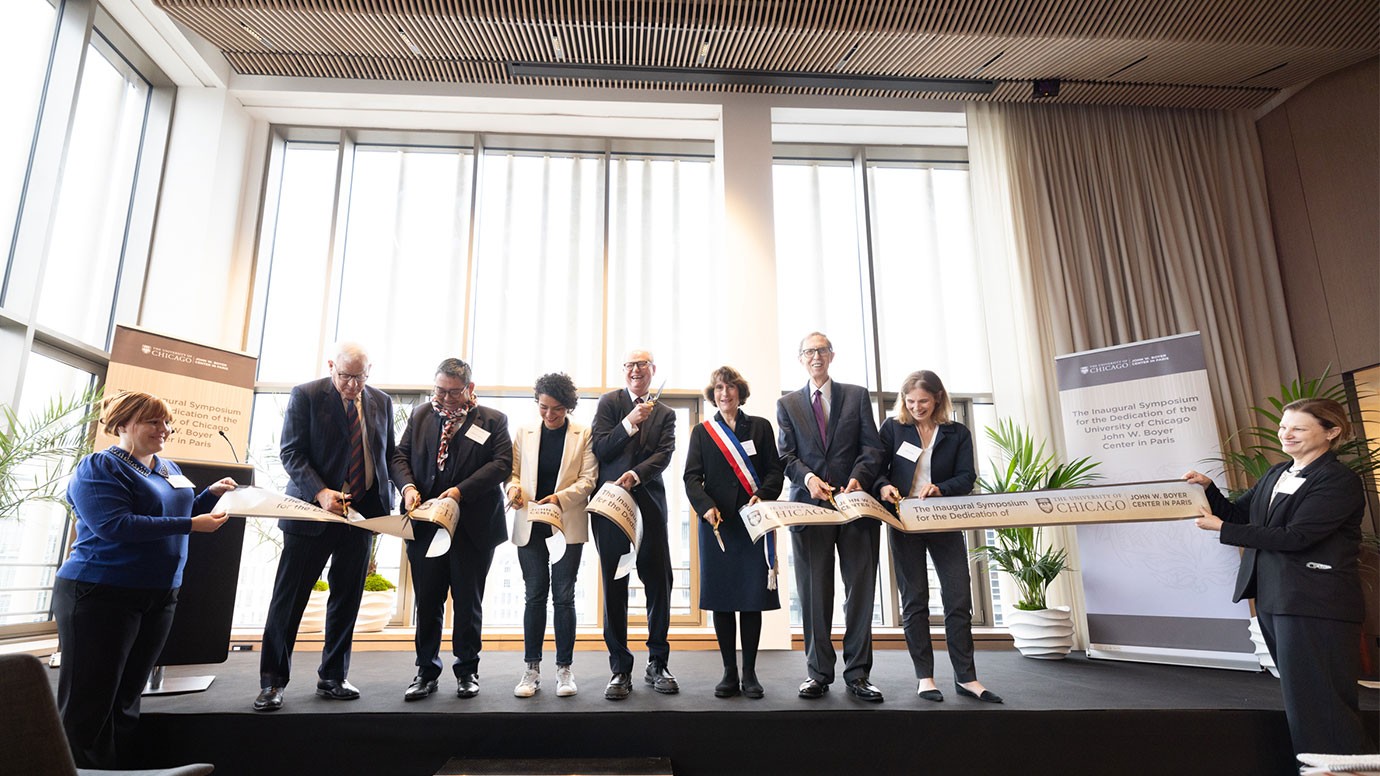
(1290, 485)
(179, 481)
(479, 435)
(909, 452)
(749, 447)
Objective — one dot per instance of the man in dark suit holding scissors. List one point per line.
(337, 440)
(634, 437)
(453, 448)
(828, 441)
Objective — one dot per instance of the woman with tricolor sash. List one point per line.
(732, 462)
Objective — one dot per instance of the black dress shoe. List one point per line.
(987, 696)
(727, 686)
(751, 687)
(931, 695)
(661, 679)
(270, 699)
(620, 687)
(864, 690)
(420, 688)
(813, 688)
(337, 690)
(467, 686)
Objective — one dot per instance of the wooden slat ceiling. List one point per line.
(1182, 53)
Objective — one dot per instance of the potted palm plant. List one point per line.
(39, 451)
(1038, 630)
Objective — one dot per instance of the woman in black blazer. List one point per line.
(926, 454)
(1300, 527)
(735, 575)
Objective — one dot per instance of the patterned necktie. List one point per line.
(818, 406)
(453, 419)
(354, 474)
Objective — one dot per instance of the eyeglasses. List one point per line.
(356, 379)
(812, 352)
(451, 393)
(631, 365)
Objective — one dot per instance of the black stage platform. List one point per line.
(1074, 716)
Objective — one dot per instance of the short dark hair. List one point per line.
(727, 374)
(558, 386)
(454, 367)
(931, 384)
(132, 407)
(1328, 412)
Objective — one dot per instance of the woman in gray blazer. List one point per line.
(1300, 530)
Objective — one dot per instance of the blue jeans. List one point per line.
(539, 576)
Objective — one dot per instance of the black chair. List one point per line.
(31, 736)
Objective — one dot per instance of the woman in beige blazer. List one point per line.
(553, 463)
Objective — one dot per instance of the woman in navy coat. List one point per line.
(1300, 530)
(926, 454)
(735, 576)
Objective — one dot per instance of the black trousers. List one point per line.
(858, 544)
(654, 569)
(1319, 661)
(299, 567)
(955, 590)
(110, 637)
(461, 573)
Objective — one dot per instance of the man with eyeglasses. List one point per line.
(829, 443)
(453, 448)
(336, 443)
(634, 437)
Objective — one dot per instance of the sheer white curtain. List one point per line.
(818, 268)
(664, 265)
(1100, 226)
(539, 296)
(402, 288)
(1120, 224)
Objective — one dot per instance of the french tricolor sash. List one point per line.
(741, 464)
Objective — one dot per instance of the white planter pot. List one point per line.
(375, 610)
(1261, 651)
(1046, 634)
(314, 616)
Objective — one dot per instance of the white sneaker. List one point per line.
(531, 681)
(565, 682)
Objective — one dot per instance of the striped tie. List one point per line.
(354, 474)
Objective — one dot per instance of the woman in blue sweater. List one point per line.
(114, 596)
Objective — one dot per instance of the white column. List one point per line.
(748, 335)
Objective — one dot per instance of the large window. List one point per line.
(25, 40)
(79, 170)
(874, 248)
(566, 258)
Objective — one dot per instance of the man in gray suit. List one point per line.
(828, 442)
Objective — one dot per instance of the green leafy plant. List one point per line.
(37, 452)
(1259, 444)
(1021, 552)
(320, 585)
(377, 582)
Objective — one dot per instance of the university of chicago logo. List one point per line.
(1083, 369)
(146, 349)
(1045, 505)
